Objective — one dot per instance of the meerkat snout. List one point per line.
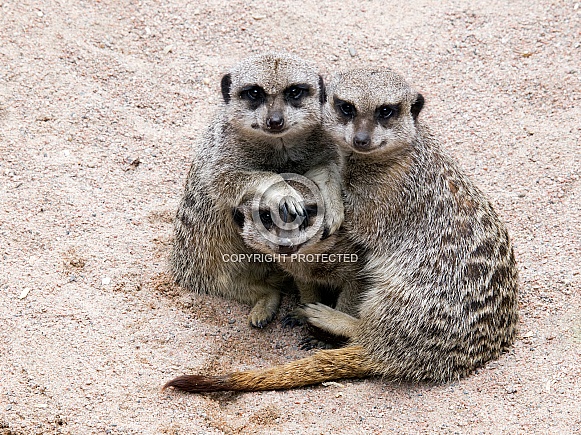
(275, 121)
(361, 140)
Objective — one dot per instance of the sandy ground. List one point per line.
(89, 327)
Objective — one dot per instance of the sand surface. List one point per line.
(100, 106)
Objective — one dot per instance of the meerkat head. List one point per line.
(273, 96)
(369, 111)
(277, 232)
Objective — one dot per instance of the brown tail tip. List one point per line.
(199, 384)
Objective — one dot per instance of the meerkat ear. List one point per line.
(322, 91)
(417, 106)
(238, 216)
(226, 82)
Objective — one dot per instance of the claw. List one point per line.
(309, 343)
(296, 209)
(302, 212)
(261, 323)
(291, 320)
(283, 212)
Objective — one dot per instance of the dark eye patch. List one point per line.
(344, 108)
(312, 210)
(386, 112)
(238, 217)
(254, 94)
(295, 93)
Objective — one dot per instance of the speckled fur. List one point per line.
(441, 293)
(236, 157)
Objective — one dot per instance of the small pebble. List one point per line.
(511, 389)
(106, 281)
(168, 49)
(132, 162)
(24, 293)
(332, 384)
(352, 51)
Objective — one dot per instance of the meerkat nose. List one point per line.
(275, 122)
(361, 140)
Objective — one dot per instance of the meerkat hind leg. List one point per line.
(319, 339)
(310, 293)
(330, 320)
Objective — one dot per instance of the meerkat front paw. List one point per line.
(334, 216)
(328, 180)
(285, 200)
(264, 310)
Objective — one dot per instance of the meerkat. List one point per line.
(441, 296)
(269, 124)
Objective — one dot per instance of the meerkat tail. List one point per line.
(325, 365)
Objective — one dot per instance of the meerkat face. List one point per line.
(369, 111)
(275, 233)
(273, 230)
(273, 96)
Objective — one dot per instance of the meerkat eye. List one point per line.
(346, 109)
(266, 219)
(252, 93)
(386, 112)
(295, 92)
